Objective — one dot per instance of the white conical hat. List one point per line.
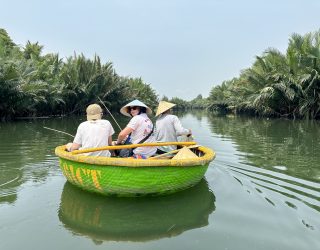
(124, 109)
(164, 106)
(184, 153)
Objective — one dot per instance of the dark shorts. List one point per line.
(160, 152)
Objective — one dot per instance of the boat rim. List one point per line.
(208, 156)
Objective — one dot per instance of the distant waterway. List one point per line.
(262, 192)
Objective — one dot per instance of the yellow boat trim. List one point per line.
(208, 156)
(152, 144)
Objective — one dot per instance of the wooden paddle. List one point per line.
(171, 152)
(154, 144)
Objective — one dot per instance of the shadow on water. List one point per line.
(135, 219)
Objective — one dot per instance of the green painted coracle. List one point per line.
(133, 177)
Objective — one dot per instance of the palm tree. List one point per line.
(10, 93)
(277, 84)
(137, 89)
(32, 50)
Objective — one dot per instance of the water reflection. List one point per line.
(195, 113)
(275, 160)
(27, 152)
(284, 146)
(9, 180)
(265, 177)
(26, 155)
(135, 219)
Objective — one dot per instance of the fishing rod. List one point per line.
(58, 131)
(109, 113)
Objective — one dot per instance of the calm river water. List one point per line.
(261, 192)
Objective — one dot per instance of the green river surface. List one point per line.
(261, 192)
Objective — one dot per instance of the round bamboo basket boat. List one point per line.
(129, 177)
(135, 219)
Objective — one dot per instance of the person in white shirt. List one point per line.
(93, 133)
(168, 127)
(138, 129)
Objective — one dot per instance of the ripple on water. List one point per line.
(5, 183)
(269, 200)
(286, 186)
(9, 183)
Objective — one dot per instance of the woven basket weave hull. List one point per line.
(132, 177)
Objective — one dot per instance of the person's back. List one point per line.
(92, 134)
(168, 126)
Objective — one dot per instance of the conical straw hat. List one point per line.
(184, 153)
(124, 109)
(164, 106)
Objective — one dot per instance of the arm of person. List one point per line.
(110, 140)
(72, 146)
(77, 142)
(123, 134)
(179, 129)
(110, 143)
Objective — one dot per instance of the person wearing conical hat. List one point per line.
(139, 129)
(95, 132)
(168, 127)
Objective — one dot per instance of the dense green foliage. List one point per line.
(278, 85)
(197, 103)
(32, 84)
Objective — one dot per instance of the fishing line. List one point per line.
(110, 113)
(58, 131)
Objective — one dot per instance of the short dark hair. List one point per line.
(143, 110)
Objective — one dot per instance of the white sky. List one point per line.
(181, 47)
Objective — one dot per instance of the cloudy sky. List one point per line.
(181, 47)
